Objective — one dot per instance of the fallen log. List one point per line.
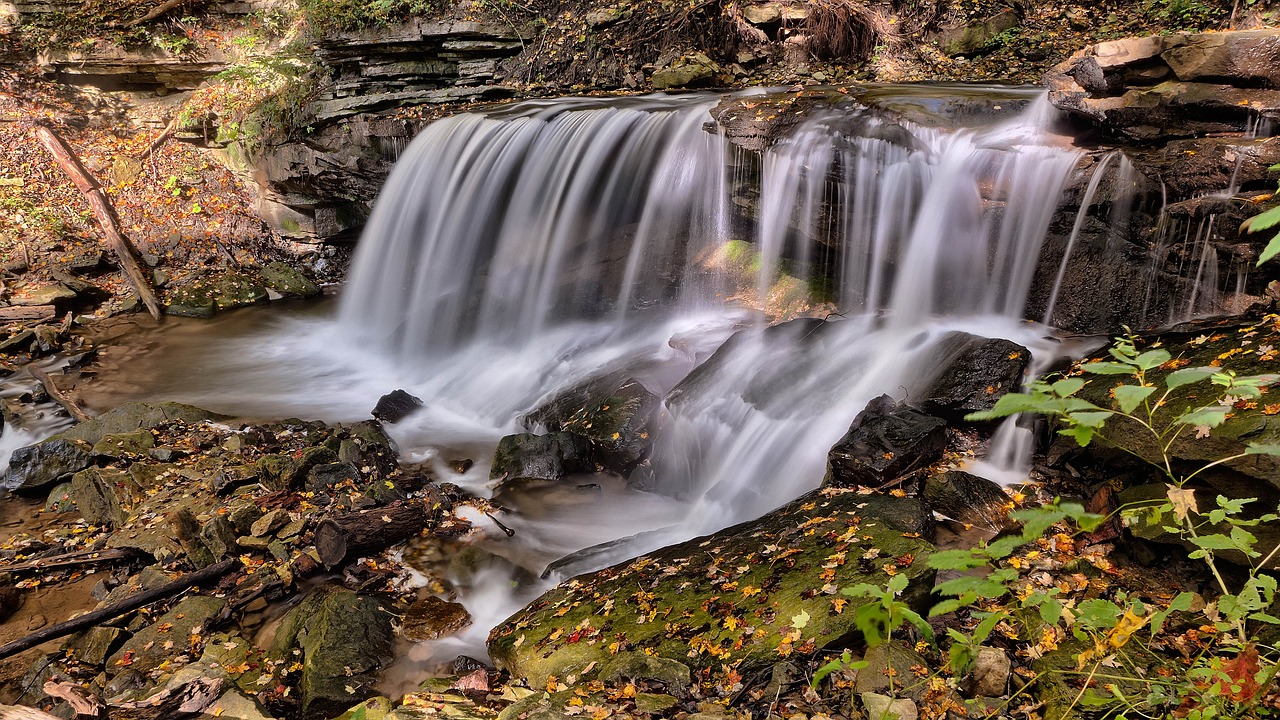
(105, 213)
(82, 702)
(213, 572)
(366, 531)
(19, 313)
(68, 560)
(57, 395)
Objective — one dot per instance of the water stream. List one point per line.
(517, 254)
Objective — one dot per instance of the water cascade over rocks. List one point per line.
(517, 254)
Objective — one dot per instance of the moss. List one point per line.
(748, 595)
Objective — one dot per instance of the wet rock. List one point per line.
(396, 406)
(117, 445)
(235, 705)
(280, 472)
(37, 466)
(614, 414)
(146, 650)
(885, 441)
(969, 499)
(991, 672)
(269, 523)
(346, 639)
(432, 618)
(103, 496)
(525, 458)
(564, 631)
(688, 71)
(324, 478)
(287, 280)
(883, 707)
(979, 371)
(968, 40)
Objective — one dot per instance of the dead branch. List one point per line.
(161, 139)
(58, 396)
(104, 211)
(160, 9)
(19, 712)
(81, 701)
(187, 700)
(213, 572)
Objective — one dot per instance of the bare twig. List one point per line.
(57, 395)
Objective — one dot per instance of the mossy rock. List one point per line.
(235, 290)
(751, 594)
(287, 280)
(136, 416)
(124, 444)
(1238, 348)
(191, 300)
(146, 650)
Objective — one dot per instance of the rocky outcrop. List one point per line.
(1170, 86)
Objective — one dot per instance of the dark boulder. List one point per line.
(975, 376)
(525, 458)
(885, 441)
(432, 618)
(396, 406)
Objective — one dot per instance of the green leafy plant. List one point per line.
(1265, 221)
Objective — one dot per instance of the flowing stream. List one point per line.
(516, 254)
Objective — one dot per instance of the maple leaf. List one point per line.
(1242, 672)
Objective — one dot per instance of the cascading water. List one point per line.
(516, 254)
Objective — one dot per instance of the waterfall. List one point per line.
(519, 252)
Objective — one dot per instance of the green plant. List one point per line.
(1158, 407)
(1265, 221)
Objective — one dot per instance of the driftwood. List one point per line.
(18, 712)
(184, 701)
(18, 313)
(68, 560)
(359, 533)
(84, 703)
(57, 395)
(213, 572)
(104, 211)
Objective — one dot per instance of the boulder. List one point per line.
(345, 640)
(990, 676)
(688, 71)
(885, 441)
(103, 496)
(432, 618)
(972, 39)
(969, 499)
(36, 466)
(136, 416)
(396, 406)
(884, 707)
(615, 414)
(235, 290)
(750, 594)
(524, 458)
(117, 445)
(888, 671)
(978, 372)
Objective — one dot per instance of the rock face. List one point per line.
(1168, 86)
(765, 573)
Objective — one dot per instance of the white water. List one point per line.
(515, 255)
